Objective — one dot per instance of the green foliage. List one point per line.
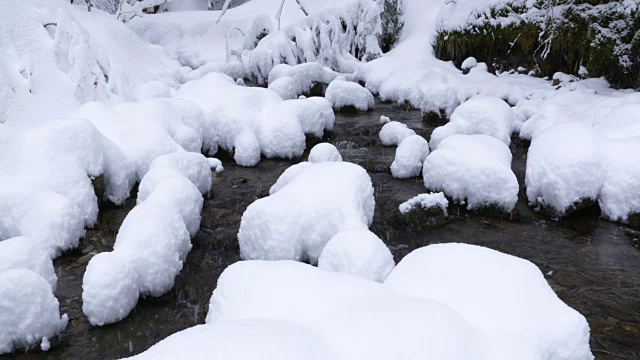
(555, 35)
(391, 21)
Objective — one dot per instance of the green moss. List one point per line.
(419, 218)
(607, 43)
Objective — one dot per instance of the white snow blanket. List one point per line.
(410, 156)
(307, 206)
(473, 169)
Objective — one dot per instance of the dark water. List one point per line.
(593, 265)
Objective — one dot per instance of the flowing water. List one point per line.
(593, 265)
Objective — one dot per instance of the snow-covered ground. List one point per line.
(86, 99)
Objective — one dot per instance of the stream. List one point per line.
(592, 264)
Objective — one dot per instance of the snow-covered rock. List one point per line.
(544, 118)
(153, 241)
(565, 165)
(299, 79)
(30, 314)
(359, 252)
(475, 169)
(25, 253)
(253, 121)
(481, 115)
(270, 340)
(425, 201)
(384, 119)
(324, 152)
(393, 132)
(305, 209)
(505, 298)
(469, 63)
(342, 94)
(410, 156)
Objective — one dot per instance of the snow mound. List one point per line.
(384, 119)
(303, 77)
(546, 117)
(511, 305)
(306, 208)
(425, 201)
(342, 93)
(46, 190)
(359, 252)
(324, 152)
(25, 253)
(410, 156)
(475, 169)
(153, 241)
(349, 316)
(481, 115)
(393, 132)
(270, 340)
(253, 121)
(469, 63)
(30, 314)
(565, 165)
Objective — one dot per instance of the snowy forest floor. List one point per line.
(593, 265)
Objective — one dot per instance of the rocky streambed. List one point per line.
(592, 264)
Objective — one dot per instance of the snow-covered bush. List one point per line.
(473, 169)
(308, 205)
(409, 157)
(351, 28)
(359, 252)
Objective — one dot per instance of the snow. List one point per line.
(475, 169)
(565, 164)
(153, 241)
(25, 253)
(410, 156)
(270, 340)
(30, 314)
(359, 252)
(304, 210)
(393, 132)
(324, 152)
(425, 201)
(516, 311)
(303, 77)
(480, 115)
(469, 63)
(253, 121)
(342, 93)
(384, 119)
